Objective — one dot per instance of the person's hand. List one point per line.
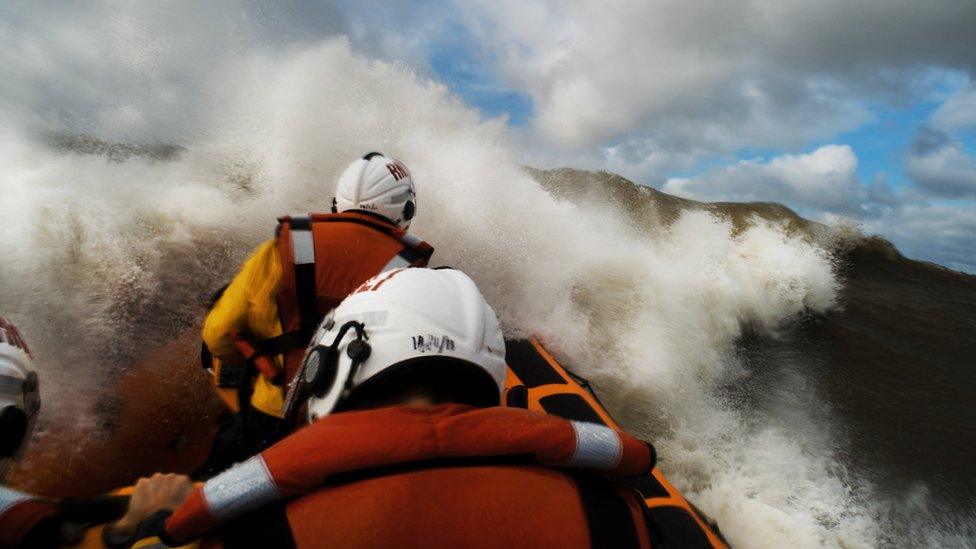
(157, 493)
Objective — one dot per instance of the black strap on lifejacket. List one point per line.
(609, 518)
(96, 510)
(246, 372)
(410, 255)
(279, 344)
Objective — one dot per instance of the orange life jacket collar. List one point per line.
(370, 220)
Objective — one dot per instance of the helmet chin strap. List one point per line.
(358, 350)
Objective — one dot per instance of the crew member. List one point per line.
(19, 393)
(259, 327)
(24, 519)
(407, 445)
(27, 520)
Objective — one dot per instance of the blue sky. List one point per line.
(457, 62)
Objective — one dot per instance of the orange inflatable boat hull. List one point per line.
(537, 381)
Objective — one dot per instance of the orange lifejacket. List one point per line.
(503, 489)
(324, 257)
(501, 506)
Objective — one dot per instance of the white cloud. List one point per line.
(824, 180)
(958, 112)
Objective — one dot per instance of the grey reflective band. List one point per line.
(597, 446)
(396, 263)
(9, 498)
(302, 247)
(240, 489)
(411, 241)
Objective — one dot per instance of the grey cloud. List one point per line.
(940, 166)
(838, 35)
(944, 234)
(928, 141)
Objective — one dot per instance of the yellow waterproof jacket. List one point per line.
(248, 306)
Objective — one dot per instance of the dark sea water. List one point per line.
(900, 371)
(893, 372)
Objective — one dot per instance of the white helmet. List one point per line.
(19, 396)
(407, 324)
(379, 185)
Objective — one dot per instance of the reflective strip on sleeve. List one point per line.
(411, 240)
(9, 498)
(242, 488)
(597, 446)
(302, 246)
